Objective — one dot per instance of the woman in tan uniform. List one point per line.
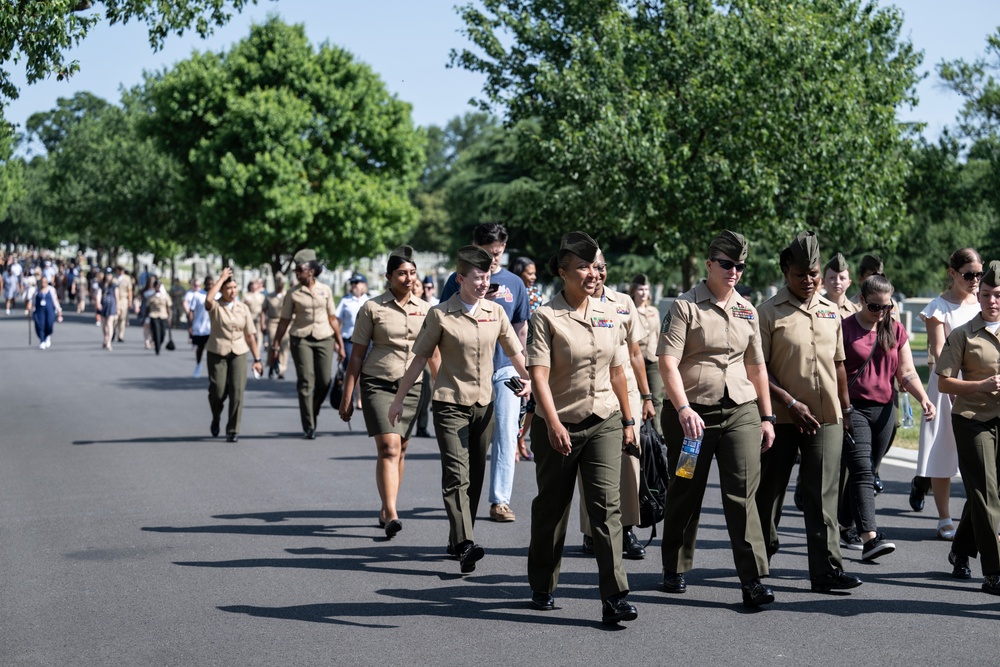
(390, 323)
(582, 423)
(233, 334)
(466, 329)
(272, 313)
(308, 314)
(158, 311)
(713, 370)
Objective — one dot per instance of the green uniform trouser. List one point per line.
(820, 471)
(977, 460)
(596, 454)
(732, 436)
(227, 378)
(656, 389)
(314, 370)
(463, 433)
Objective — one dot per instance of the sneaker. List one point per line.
(197, 371)
(877, 546)
(41, 346)
(501, 513)
(849, 539)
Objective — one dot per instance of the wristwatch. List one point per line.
(628, 422)
(256, 361)
(769, 418)
(646, 397)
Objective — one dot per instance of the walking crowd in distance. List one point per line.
(505, 374)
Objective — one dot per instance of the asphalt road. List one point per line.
(129, 537)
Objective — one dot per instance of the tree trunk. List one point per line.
(689, 269)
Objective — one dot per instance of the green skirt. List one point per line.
(377, 395)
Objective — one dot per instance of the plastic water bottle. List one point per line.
(689, 457)
(907, 411)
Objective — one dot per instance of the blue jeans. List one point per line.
(506, 410)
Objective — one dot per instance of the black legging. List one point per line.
(158, 329)
(874, 425)
(200, 342)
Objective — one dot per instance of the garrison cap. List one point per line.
(730, 244)
(305, 255)
(476, 257)
(640, 279)
(837, 264)
(805, 250)
(580, 244)
(403, 251)
(992, 276)
(871, 264)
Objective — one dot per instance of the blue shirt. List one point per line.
(512, 297)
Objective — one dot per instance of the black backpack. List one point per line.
(653, 478)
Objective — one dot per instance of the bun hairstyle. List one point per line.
(313, 264)
(520, 265)
(963, 256)
(886, 330)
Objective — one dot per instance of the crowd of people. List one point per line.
(809, 376)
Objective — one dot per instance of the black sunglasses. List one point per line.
(729, 265)
(972, 275)
(875, 308)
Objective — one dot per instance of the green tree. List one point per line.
(40, 32)
(664, 121)
(284, 146)
(107, 186)
(11, 170)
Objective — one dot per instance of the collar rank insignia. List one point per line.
(602, 322)
(742, 312)
(825, 314)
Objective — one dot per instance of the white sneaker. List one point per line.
(8, 311)
(197, 371)
(41, 346)
(48, 342)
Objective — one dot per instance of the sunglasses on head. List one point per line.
(973, 275)
(875, 307)
(729, 265)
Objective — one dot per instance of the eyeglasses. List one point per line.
(972, 275)
(876, 308)
(729, 265)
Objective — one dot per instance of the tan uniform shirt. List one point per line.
(391, 328)
(255, 302)
(157, 305)
(309, 311)
(230, 327)
(579, 351)
(972, 352)
(272, 306)
(634, 327)
(847, 309)
(467, 342)
(713, 344)
(124, 294)
(801, 343)
(651, 318)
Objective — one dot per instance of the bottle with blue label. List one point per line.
(907, 410)
(689, 457)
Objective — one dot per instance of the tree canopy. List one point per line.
(666, 121)
(284, 146)
(40, 32)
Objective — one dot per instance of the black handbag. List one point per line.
(170, 339)
(337, 387)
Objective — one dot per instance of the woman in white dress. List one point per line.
(938, 457)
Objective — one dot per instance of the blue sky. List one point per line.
(408, 43)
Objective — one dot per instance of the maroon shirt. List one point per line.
(875, 383)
